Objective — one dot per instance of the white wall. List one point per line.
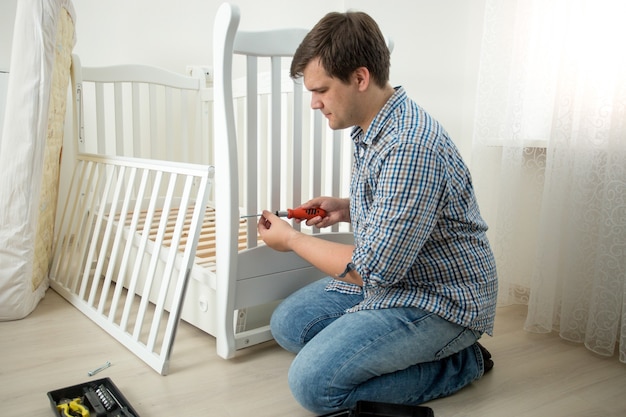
(435, 57)
(4, 81)
(7, 14)
(174, 34)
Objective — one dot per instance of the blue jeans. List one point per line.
(396, 355)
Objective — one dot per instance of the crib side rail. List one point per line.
(107, 263)
(143, 111)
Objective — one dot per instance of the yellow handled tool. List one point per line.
(72, 408)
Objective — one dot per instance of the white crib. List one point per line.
(166, 166)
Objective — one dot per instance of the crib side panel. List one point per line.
(126, 247)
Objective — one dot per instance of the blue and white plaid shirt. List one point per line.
(420, 239)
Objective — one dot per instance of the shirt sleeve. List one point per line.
(407, 184)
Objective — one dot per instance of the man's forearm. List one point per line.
(329, 257)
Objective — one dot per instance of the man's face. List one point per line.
(338, 101)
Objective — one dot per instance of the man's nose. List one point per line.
(316, 103)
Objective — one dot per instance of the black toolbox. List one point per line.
(100, 398)
(377, 409)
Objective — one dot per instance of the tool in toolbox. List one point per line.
(72, 408)
(298, 213)
(99, 398)
(94, 400)
(108, 399)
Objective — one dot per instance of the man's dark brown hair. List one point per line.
(344, 42)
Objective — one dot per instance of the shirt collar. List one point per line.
(359, 137)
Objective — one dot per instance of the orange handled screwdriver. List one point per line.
(298, 213)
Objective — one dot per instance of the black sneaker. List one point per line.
(488, 363)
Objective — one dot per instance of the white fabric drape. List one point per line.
(30, 150)
(549, 163)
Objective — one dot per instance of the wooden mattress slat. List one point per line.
(205, 251)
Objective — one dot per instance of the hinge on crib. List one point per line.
(242, 315)
(204, 72)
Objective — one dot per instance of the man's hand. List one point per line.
(327, 256)
(337, 210)
(275, 232)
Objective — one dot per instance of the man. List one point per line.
(400, 318)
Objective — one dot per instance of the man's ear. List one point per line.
(362, 78)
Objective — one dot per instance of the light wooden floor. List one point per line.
(54, 347)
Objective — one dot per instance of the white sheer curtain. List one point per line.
(549, 163)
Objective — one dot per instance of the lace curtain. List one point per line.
(549, 163)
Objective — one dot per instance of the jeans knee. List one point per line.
(309, 387)
(283, 330)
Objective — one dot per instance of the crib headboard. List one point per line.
(285, 152)
(143, 112)
(271, 152)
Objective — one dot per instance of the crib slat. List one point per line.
(60, 245)
(80, 231)
(336, 168)
(136, 114)
(101, 261)
(167, 131)
(101, 181)
(100, 119)
(119, 230)
(317, 152)
(186, 145)
(275, 139)
(204, 128)
(253, 178)
(143, 306)
(153, 119)
(119, 119)
(63, 246)
(296, 174)
(141, 250)
(187, 260)
(62, 259)
(169, 265)
(132, 229)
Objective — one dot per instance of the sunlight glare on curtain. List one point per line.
(549, 163)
